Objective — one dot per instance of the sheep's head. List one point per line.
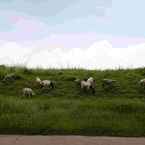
(38, 79)
(142, 82)
(90, 78)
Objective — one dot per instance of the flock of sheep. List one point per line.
(85, 84)
(42, 83)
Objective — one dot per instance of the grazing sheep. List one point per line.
(108, 83)
(45, 83)
(11, 77)
(28, 92)
(87, 84)
(142, 83)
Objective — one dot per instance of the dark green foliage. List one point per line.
(68, 110)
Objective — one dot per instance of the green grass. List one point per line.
(67, 110)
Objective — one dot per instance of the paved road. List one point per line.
(68, 140)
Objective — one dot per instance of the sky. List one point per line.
(72, 33)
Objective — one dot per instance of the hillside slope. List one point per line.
(66, 109)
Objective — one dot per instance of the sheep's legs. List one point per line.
(52, 85)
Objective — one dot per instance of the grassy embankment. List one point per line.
(67, 110)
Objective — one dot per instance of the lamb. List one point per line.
(28, 92)
(45, 83)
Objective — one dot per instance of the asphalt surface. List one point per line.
(68, 140)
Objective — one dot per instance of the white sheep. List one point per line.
(28, 92)
(88, 84)
(45, 83)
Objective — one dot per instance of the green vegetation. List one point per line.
(68, 110)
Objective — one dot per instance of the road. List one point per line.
(68, 140)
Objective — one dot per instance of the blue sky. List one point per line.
(72, 23)
(63, 16)
(113, 17)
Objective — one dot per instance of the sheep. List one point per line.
(28, 92)
(87, 84)
(142, 83)
(45, 83)
(11, 77)
(108, 82)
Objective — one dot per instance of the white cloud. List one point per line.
(100, 55)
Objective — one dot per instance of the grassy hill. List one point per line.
(67, 110)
